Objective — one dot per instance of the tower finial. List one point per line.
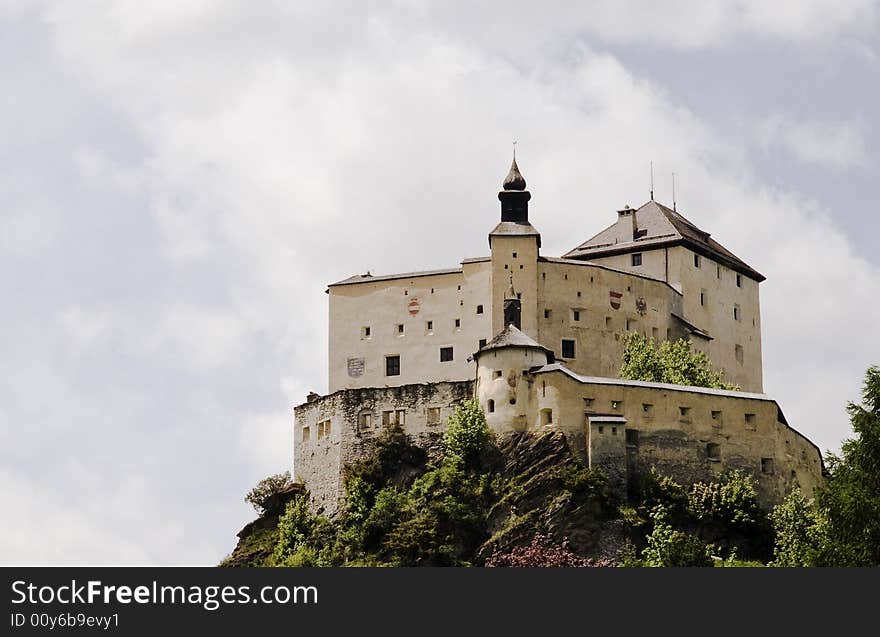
(514, 150)
(673, 193)
(652, 181)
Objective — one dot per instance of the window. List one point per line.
(607, 322)
(365, 421)
(323, 429)
(718, 271)
(655, 333)
(546, 314)
(496, 373)
(567, 348)
(615, 404)
(716, 415)
(429, 326)
(601, 429)
(614, 431)
(696, 260)
(457, 323)
(684, 412)
(751, 421)
(637, 259)
(630, 325)
(647, 409)
(392, 365)
(433, 416)
(479, 309)
(702, 297)
(490, 406)
(306, 434)
(394, 417)
(546, 416)
(365, 331)
(737, 313)
(713, 451)
(768, 466)
(575, 315)
(481, 344)
(632, 437)
(739, 280)
(588, 402)
(514, 255)
(738, 352)
(400, 329)
(579, 294)
(445, 354)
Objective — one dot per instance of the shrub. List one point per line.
(259, 496)
(800, 532)
(670, 362)
(732, 500)
(668, 547)
(542, 552)
(467, 434)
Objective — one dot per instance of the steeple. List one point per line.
(512, 307)
(514, 197)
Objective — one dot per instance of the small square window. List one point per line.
(630, 325)
(365, 331)
(481, 344)
(479, 309)
(401, 416)
(637, 259)
(768, 466)
(457, 323)
(738, 352)
(614, 431)
(445, 354)
(392, 365)
(697, 260)
(575, 315)
(579, 294)
(647, 409)
(751, 421)
(429, 326)
(607, 322)
(655, 333)
(496, 373)
(433, 416)
(588, 402)
(601, 429)
(713, 451)
(684, 412)
(400, 329)
(567, 348)
(546, 314)
(702, 297)
(737, 313)
(365, 421)
(615, 404)
(718, 271)
(716, 415)
(739, 280)
(306, 434)
(514, 255)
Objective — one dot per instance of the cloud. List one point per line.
(837, 145)
(242, 157)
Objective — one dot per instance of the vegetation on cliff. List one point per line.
(526, 500)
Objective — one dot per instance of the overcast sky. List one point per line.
(180, 179)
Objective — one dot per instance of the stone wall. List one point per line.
(356, 417)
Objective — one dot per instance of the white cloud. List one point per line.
(831, 144)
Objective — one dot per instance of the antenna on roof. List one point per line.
(673, 193)
(652, 181)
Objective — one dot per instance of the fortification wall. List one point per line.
(355, 417)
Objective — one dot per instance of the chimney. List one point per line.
(626, 220)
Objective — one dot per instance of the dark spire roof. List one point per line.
(514, 179)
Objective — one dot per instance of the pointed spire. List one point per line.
(514, 179)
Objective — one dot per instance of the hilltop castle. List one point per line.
(538, 341)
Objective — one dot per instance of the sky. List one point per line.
(179, 180)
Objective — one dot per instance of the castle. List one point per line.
(538, 341)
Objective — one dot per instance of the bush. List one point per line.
(259, 496)
(668, 547)
(467, 434)
(542, 552)
(732, 500)
(800, 532)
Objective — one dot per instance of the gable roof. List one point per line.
(511, 336)
(659, 226)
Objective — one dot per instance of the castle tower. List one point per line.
(514, 246)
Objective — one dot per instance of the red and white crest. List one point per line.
(614, 298)
(414, 306)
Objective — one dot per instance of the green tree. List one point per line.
(850, 499)
(800, 531)
(669, 362)
(259, 496)
(467, 434)
(669, 547)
